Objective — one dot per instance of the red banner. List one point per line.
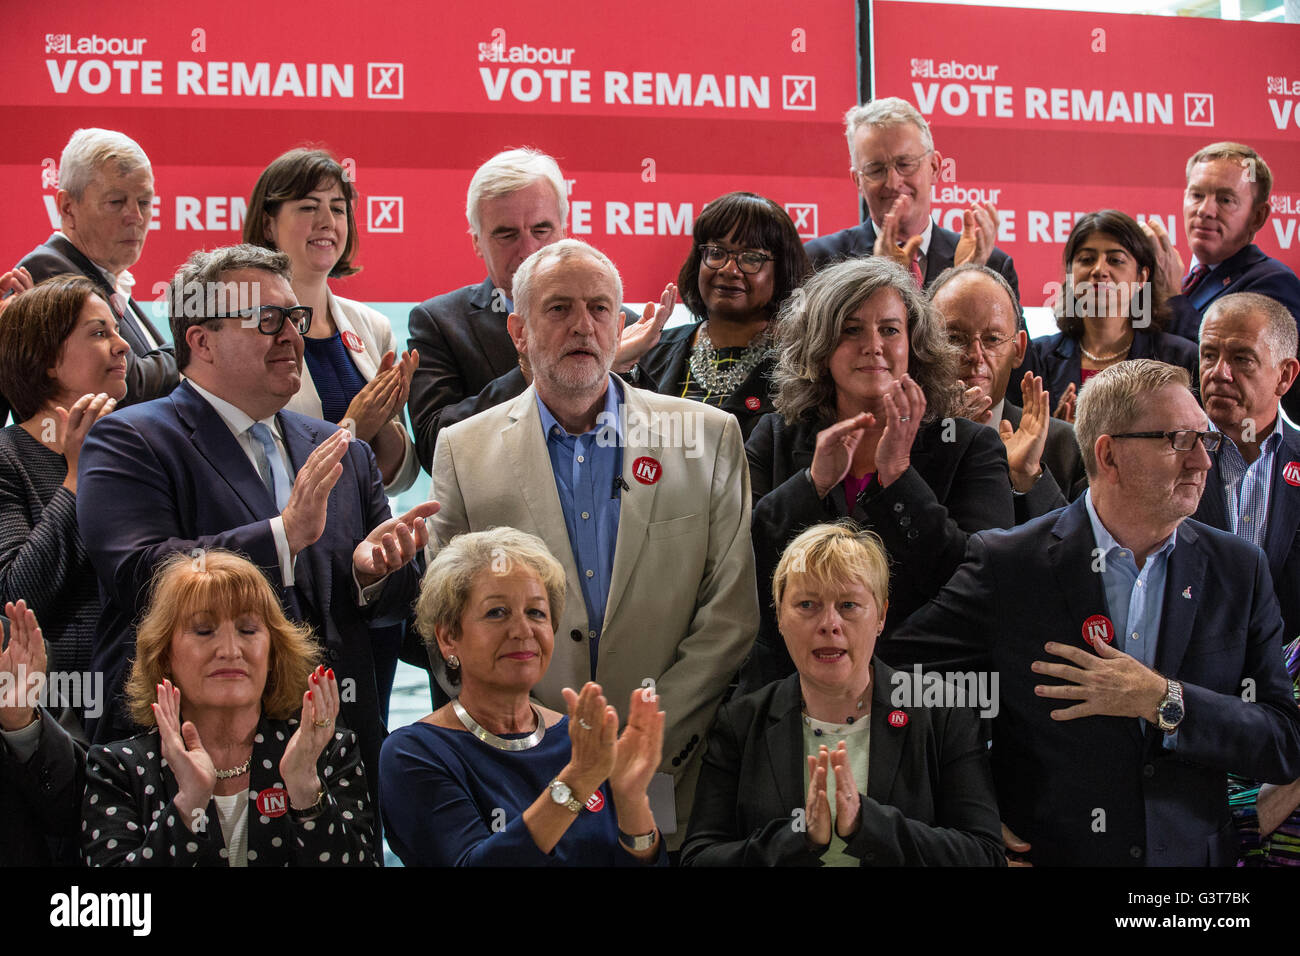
(651, 111)
(1053, 114)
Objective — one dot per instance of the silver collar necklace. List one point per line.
(491, 739)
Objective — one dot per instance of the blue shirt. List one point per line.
(1246, 487)
(586, 468)
(1135, 599)
(334, 374)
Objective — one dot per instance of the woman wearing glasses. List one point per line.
(745, 261)
(1109, 311)
(302, 206)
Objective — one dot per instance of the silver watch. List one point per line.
(1170, 710)
(642, 842)
(562, 795)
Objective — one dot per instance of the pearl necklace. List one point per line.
(1106, 358)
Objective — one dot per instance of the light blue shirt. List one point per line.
(588, 471)
(1135, 598)
(1246, 487)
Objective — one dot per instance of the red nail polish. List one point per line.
(315, 679)
(309, 695)
(330, 673)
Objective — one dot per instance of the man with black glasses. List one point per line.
(218, 464)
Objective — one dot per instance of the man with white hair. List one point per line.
(894, 165)
(643, 498)
(105, 202)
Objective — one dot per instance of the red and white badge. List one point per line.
(1098, 628)
(647, 470)
(897, 718)
(1291, 474)
(596, 802)
(273, 802)
(753, 403)
(353, 341)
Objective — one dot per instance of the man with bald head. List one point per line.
(982, 315)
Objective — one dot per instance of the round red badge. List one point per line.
(596, 802)
(646, 470)
(753, 403)
(897, 718)
(273, 802)
(1098, 628)
(1291, 473)
(353, 341)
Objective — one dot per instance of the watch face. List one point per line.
(560, 792)
(1171, 712)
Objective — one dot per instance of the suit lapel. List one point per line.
(134, 314)
(1183, 589)
(637, 504)
(213, 439)
(784, 739)
(1212, 509)
(887, 742)
(488, 326)
(301, 439)
(943, 248)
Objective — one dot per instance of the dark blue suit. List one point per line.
(1105, 790)
(169, 475)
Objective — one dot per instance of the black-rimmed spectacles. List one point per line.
(270, 318)
(1183, 439)
(747, 261)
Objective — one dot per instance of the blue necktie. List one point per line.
(271, 466)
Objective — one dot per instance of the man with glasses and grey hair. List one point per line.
(219, 464)
(105, 202)
(1139, 654)
(894, 165)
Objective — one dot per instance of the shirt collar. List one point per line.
(997, 411)
(1106, 541)
(1268, 445)
(237, 420)
(609, 417)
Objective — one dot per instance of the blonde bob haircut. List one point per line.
(812, 320)
(1114, 398)
(445, 590)
(835, 554)
(224, 585)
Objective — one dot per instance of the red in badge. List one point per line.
(897, 718)
(753, 403)
(353, 341)
(596, 802)
(646, 470)
(1291, 473)
(273, 802)
(1098, 628)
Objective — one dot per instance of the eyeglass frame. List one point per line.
(986, 349)
(883, 173)
(284, 312)
(732, 256)
(1205, 438)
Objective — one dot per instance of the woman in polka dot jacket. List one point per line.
(231, 774)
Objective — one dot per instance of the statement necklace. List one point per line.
(718, 380)
(491, 739)
(235, 771)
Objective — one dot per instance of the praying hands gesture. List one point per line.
(848, 802)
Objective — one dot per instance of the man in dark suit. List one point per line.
(1248, 344)
(981, 313)
(105, 201)
(1225, 203)
(1139, 654)
(210, 466)
(894, 166)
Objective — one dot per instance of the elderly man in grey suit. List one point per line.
(981, 312)
(643, 498)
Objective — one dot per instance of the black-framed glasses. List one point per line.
(747, 261)
(1184, 439)
(990, 342)
(906, 166)
(271, 318)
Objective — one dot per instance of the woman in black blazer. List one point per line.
(782, 782)
(866, 372)
(745, 260)
(1110, 310)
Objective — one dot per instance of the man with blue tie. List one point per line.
(1225, 203)
(218, 464)
(1248, 344)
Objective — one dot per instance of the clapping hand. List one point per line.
(833, 454)
(888, 243)
(975, 404)
(593, 733)
(393, 543)
(640, 337)
(320, 706)
(979, 232)
(904, 408)
(1025, 444)
(639, 750)
(195, 774)
(1065, 407)
(22, 667)
(13, 282)
(1169, 264)
(72, 426)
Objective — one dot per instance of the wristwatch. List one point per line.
(308, 813)
(1170, 710)
(641, 842)
(562, 795)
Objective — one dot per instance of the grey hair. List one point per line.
(886, 111)
(953, 272)
(510, 171)
(521, 288)
(88, 150)
(808, 332)
(1114, 398)
(1279, 333)
(197, 286)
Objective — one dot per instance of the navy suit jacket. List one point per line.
(1105, 790)
(1250, 270)
(170, 476)
(1281, 533)
(860, 240)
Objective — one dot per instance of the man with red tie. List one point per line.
(1224, 205)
